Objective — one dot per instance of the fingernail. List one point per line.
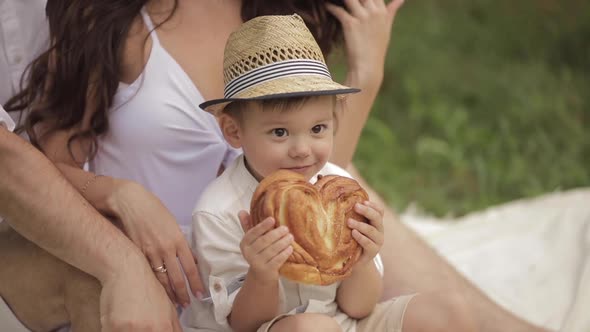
(199, 295)
(351, 222)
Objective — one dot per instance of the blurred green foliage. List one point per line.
(483, 102)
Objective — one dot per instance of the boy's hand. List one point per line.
(369, 236)
(265, 248)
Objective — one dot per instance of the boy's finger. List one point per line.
(275, 248)
(245, 220)
(281, 258)
(375, 218)
(257, 231)
(378, 207)
(367, 230)
(266, 240)
(364, 241)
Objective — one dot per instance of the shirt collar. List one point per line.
(241, 178)
(6, 120)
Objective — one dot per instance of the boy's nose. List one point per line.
(299, 149)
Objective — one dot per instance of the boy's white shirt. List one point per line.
(6, 120)
(215, 241)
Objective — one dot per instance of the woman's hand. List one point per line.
(148, 223)
(132, 300)
(367, 29)
(370, 236)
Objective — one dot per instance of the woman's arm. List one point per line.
(144, 218)
(33, 195)
(367, 27)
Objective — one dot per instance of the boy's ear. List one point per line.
(231, 130)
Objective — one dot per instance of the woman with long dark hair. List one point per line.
(119, 89)
(120, 86)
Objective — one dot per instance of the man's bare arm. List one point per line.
(40, 204)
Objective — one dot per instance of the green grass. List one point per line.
(483, 102)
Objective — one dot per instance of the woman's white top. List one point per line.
(24, 34)
(160, 138)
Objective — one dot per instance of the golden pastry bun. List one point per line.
(316, 215)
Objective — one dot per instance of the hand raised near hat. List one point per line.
(366, 25)
(369, 235)
(367, 28)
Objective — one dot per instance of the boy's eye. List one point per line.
(279, 132)
(318, 129)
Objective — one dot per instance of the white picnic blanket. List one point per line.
(531, 256)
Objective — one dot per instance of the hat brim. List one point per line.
(284, 87)
(216, 105)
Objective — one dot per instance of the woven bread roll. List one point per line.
(316, 215)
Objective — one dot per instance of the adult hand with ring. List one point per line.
(154, 230)
(160, 269)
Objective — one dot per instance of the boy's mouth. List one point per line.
(299, 169)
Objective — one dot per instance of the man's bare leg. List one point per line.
(412, 266)
(82, 301)
(43, 291)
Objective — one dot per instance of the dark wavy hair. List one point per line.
(325, 28)
(81, 68)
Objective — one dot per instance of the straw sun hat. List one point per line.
(274, 57)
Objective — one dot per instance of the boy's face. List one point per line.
(297, 139)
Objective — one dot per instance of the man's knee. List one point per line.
(440, 311)
(82, 301)
(43, 291)
(460, 312)
(31, 282)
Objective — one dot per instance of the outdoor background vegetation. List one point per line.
(483, 102)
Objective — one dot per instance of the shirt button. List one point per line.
(217, 287)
